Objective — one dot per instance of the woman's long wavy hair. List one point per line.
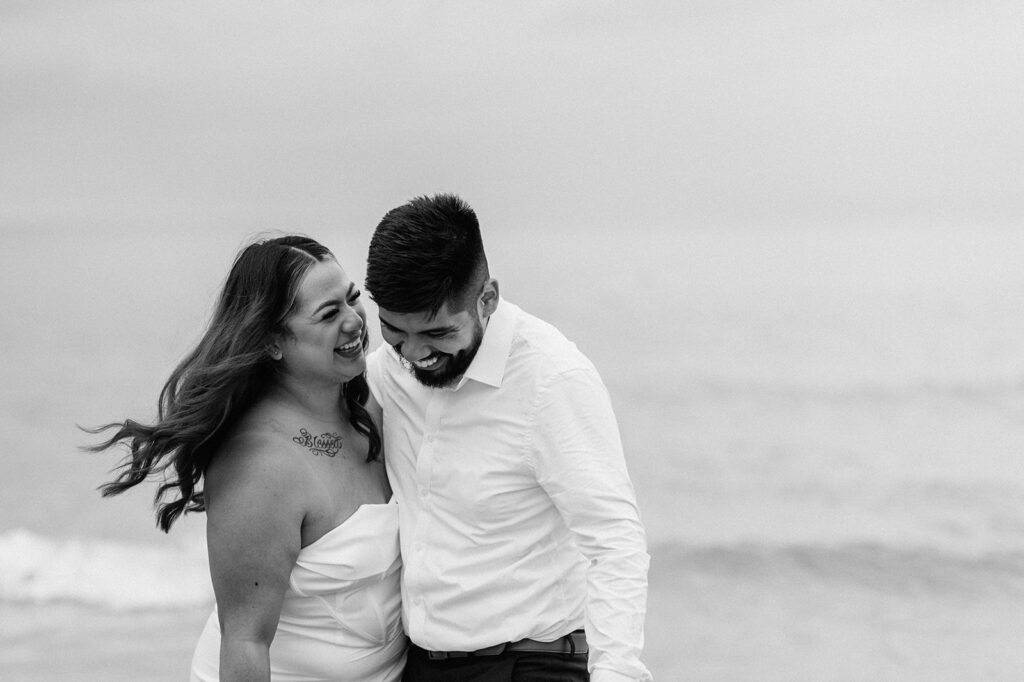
(228, 371)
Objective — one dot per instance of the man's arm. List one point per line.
(579, 462)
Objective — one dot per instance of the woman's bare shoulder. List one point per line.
(253, 455)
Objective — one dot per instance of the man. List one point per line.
(519, 527)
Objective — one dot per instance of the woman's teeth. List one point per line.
(348, 347)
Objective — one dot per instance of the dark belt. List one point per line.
(573, 643)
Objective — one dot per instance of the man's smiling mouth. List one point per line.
(426, 363)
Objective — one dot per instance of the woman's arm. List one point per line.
(254, 533)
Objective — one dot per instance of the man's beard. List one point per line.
(455, 365)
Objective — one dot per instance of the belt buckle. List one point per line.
(495, 650)
(444, 655)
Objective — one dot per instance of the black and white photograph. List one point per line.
(511, 342)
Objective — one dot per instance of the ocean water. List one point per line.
(823, 425)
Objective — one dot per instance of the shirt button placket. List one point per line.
(428, 450)
(424, 469)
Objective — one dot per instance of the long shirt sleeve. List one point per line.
(579, 462)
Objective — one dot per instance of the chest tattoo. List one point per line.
(325, 444)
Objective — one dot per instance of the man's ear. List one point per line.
(489, 298)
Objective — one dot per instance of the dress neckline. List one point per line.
(347, 519)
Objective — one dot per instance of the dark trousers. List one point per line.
(511, 666)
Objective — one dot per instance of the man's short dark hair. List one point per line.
(425, 254)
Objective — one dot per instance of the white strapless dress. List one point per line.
(341, 619)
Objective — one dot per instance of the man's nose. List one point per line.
(414, 350)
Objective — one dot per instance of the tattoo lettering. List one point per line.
(325, 444)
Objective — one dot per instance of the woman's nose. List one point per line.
(352, 322)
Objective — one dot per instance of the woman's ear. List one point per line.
(273, 348)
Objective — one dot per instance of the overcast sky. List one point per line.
(607, 113)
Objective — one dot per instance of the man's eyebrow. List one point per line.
(334, 301)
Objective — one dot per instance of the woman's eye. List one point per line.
(331, 315)
(355, 296)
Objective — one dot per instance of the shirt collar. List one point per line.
(488, 367)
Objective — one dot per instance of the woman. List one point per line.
(268, 414)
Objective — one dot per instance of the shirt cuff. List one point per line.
(605, 675)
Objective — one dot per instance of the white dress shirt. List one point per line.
(518, 519)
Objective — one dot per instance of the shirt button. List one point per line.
(423, 492)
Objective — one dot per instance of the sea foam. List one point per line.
(121, 576)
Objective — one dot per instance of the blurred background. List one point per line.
(788, 234)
